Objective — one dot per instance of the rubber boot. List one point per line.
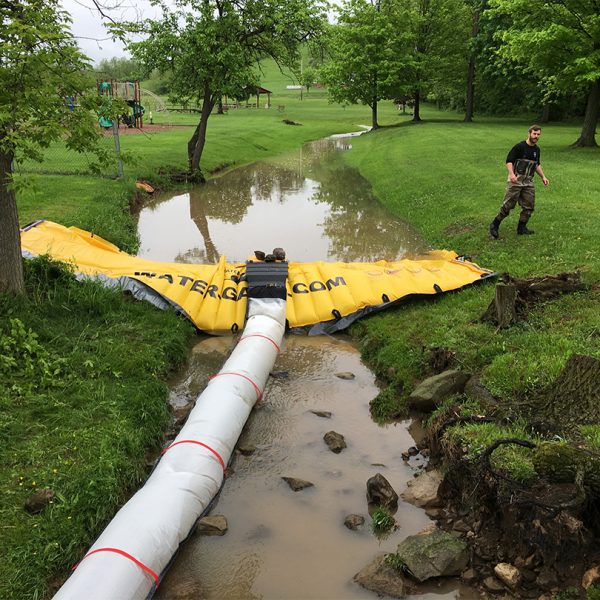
(494, 225)
(522, 229)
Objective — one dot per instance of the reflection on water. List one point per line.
(287, 545)
(308, 202)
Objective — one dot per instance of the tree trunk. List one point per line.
(11, 261)
(545, 116)
(587, 137)
(374, 122)
(197, 141)
(470, 93)
(417, 109)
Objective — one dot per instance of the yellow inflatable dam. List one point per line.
(322, 297)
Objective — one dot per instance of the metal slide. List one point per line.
(132, 553)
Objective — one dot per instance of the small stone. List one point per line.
(413, 451)
(469, 575)
(546, 579)
(279, 374)
(324, 414)
(491, 584)
(335, 441)
(297, 484)
(405, 456)
(279, 253)
(345, 375)
(269, 258)
(434, 513)
(212, 525)
(381, 493)
(354, 521)
(590, 577)
(38, 501)
(424, 491)
(508, 574)
(246, 449)
(461, 526)
(260, 255)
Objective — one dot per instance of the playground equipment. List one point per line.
(130, 91)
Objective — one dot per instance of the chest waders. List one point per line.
(521, 192)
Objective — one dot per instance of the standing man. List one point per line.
(522, 163)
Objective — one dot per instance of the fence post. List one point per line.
(118, 148)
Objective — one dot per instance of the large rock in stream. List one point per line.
(382, 578)
(433, 554)
(423, 491)
(432, 391)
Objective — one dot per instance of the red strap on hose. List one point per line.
(261, 336)
(139, 563)
(198, 444)
(258, 390)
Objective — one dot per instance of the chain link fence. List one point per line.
(59, 160)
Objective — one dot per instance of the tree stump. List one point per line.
(502, 310)
(514, 295)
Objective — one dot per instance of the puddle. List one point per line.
(285, 544)
(308, 202)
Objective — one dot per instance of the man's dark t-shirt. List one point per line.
(525, 159)
(524, 150)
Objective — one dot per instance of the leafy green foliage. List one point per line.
(558, 43)
(42, 80)
(41, 67)
(593, 593)
(27, 363)
(212, 49)
(368, 53)
(119, 67)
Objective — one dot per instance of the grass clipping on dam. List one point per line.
(322, 297)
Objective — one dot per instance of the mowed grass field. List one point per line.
(447, 178)
(85, 398)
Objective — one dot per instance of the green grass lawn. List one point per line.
(95, 406)
(447, 178)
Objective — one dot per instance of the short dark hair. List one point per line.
(534, 128)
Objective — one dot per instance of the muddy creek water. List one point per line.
(280, 543)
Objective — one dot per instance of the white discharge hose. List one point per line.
(130, 555)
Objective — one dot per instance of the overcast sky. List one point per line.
(89, 30)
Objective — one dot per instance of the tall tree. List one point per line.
(210, 48)
(441, 35)
(557, 42)
(476, 8)
(40, 66)
(368, 53)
